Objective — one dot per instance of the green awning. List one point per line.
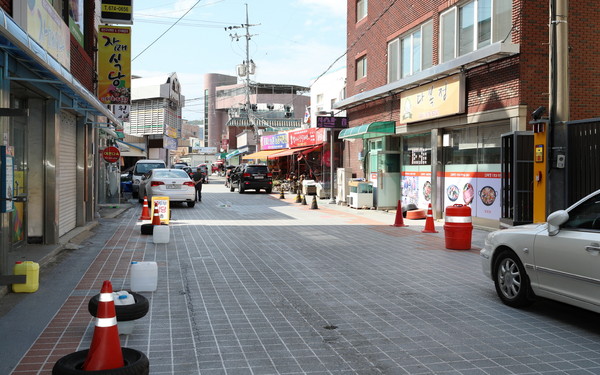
(372, 130)
(232, 154)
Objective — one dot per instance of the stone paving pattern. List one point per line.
(253, 284)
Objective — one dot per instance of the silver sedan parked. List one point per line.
(559, 260)
(173, 183)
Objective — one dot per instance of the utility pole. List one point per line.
(247, 68)
(556, 194)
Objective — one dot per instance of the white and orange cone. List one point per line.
(429, 225)
(105, 352)
(156, 217)
(145, 211)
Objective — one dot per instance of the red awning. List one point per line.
(288, 152)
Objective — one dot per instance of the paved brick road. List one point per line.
(251, 284)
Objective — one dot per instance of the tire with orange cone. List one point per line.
(105, 354)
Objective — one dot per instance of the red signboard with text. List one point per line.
(306, 137)
(111, 154)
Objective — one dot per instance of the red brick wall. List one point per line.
(83, 65)
(520, 80)
(7, 6)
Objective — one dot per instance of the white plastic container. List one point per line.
(161, 234)
(124, 298)
(144, 276)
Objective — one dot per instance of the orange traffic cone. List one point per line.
(145, 212)
(156, 217)
(105, 352)
(399, 219)
(429, 225)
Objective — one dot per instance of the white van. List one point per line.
(141, 168)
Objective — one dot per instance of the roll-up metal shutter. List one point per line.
(66, 177)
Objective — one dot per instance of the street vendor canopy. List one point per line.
(372, 130)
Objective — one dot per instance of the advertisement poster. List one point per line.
(114, 64)
(416, 188)
(162, 203)
(478, 190)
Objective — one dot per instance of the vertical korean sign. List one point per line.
(114, 64)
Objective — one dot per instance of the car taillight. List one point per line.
(269, 174)
(189, 183)
(156, 183)
(246, 175)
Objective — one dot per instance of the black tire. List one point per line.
(136, 363)
(241, 189)
(191, 204)
(511, 281)
(268, 191)
(147, 229)
(124, 312)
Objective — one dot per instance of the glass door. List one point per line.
(19, 143)
(388, 178)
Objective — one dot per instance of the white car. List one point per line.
(559, 260)
(168, 182)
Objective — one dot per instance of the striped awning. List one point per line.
(276, 123)
(372, 130)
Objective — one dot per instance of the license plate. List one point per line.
(259, 176)
(172, 186)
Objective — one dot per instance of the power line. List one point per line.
(166, 31)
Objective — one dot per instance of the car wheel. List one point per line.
(191, 204)
(136, 363)
(268, 191)
(511, 281)
(241, 189)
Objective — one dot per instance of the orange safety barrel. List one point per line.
(458, 227)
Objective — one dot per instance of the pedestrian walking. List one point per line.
(198, 178)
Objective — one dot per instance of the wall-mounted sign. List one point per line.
(332, 122)
(441, 98)
(111, 154)
(114, 64)
(306, 137)
(274, 141)
(118, 12)
(45, 26)
(7, 181)
(420, 157)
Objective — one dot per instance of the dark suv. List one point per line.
(253, 177)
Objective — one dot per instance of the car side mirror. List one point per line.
(555, 220)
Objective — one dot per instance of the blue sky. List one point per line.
(295, 41)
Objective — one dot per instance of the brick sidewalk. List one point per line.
(250, 284)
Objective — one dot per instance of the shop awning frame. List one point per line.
(372, 130)
(289, 151)
(260, 154)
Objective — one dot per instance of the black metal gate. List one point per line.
(583, 158)
(517, 178)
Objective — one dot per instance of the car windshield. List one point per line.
(142, 168)
(173, 173)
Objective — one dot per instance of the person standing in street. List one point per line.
(198, 177)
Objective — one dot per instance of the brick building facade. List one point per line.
(496, 51)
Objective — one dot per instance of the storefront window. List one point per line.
(472, 174)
